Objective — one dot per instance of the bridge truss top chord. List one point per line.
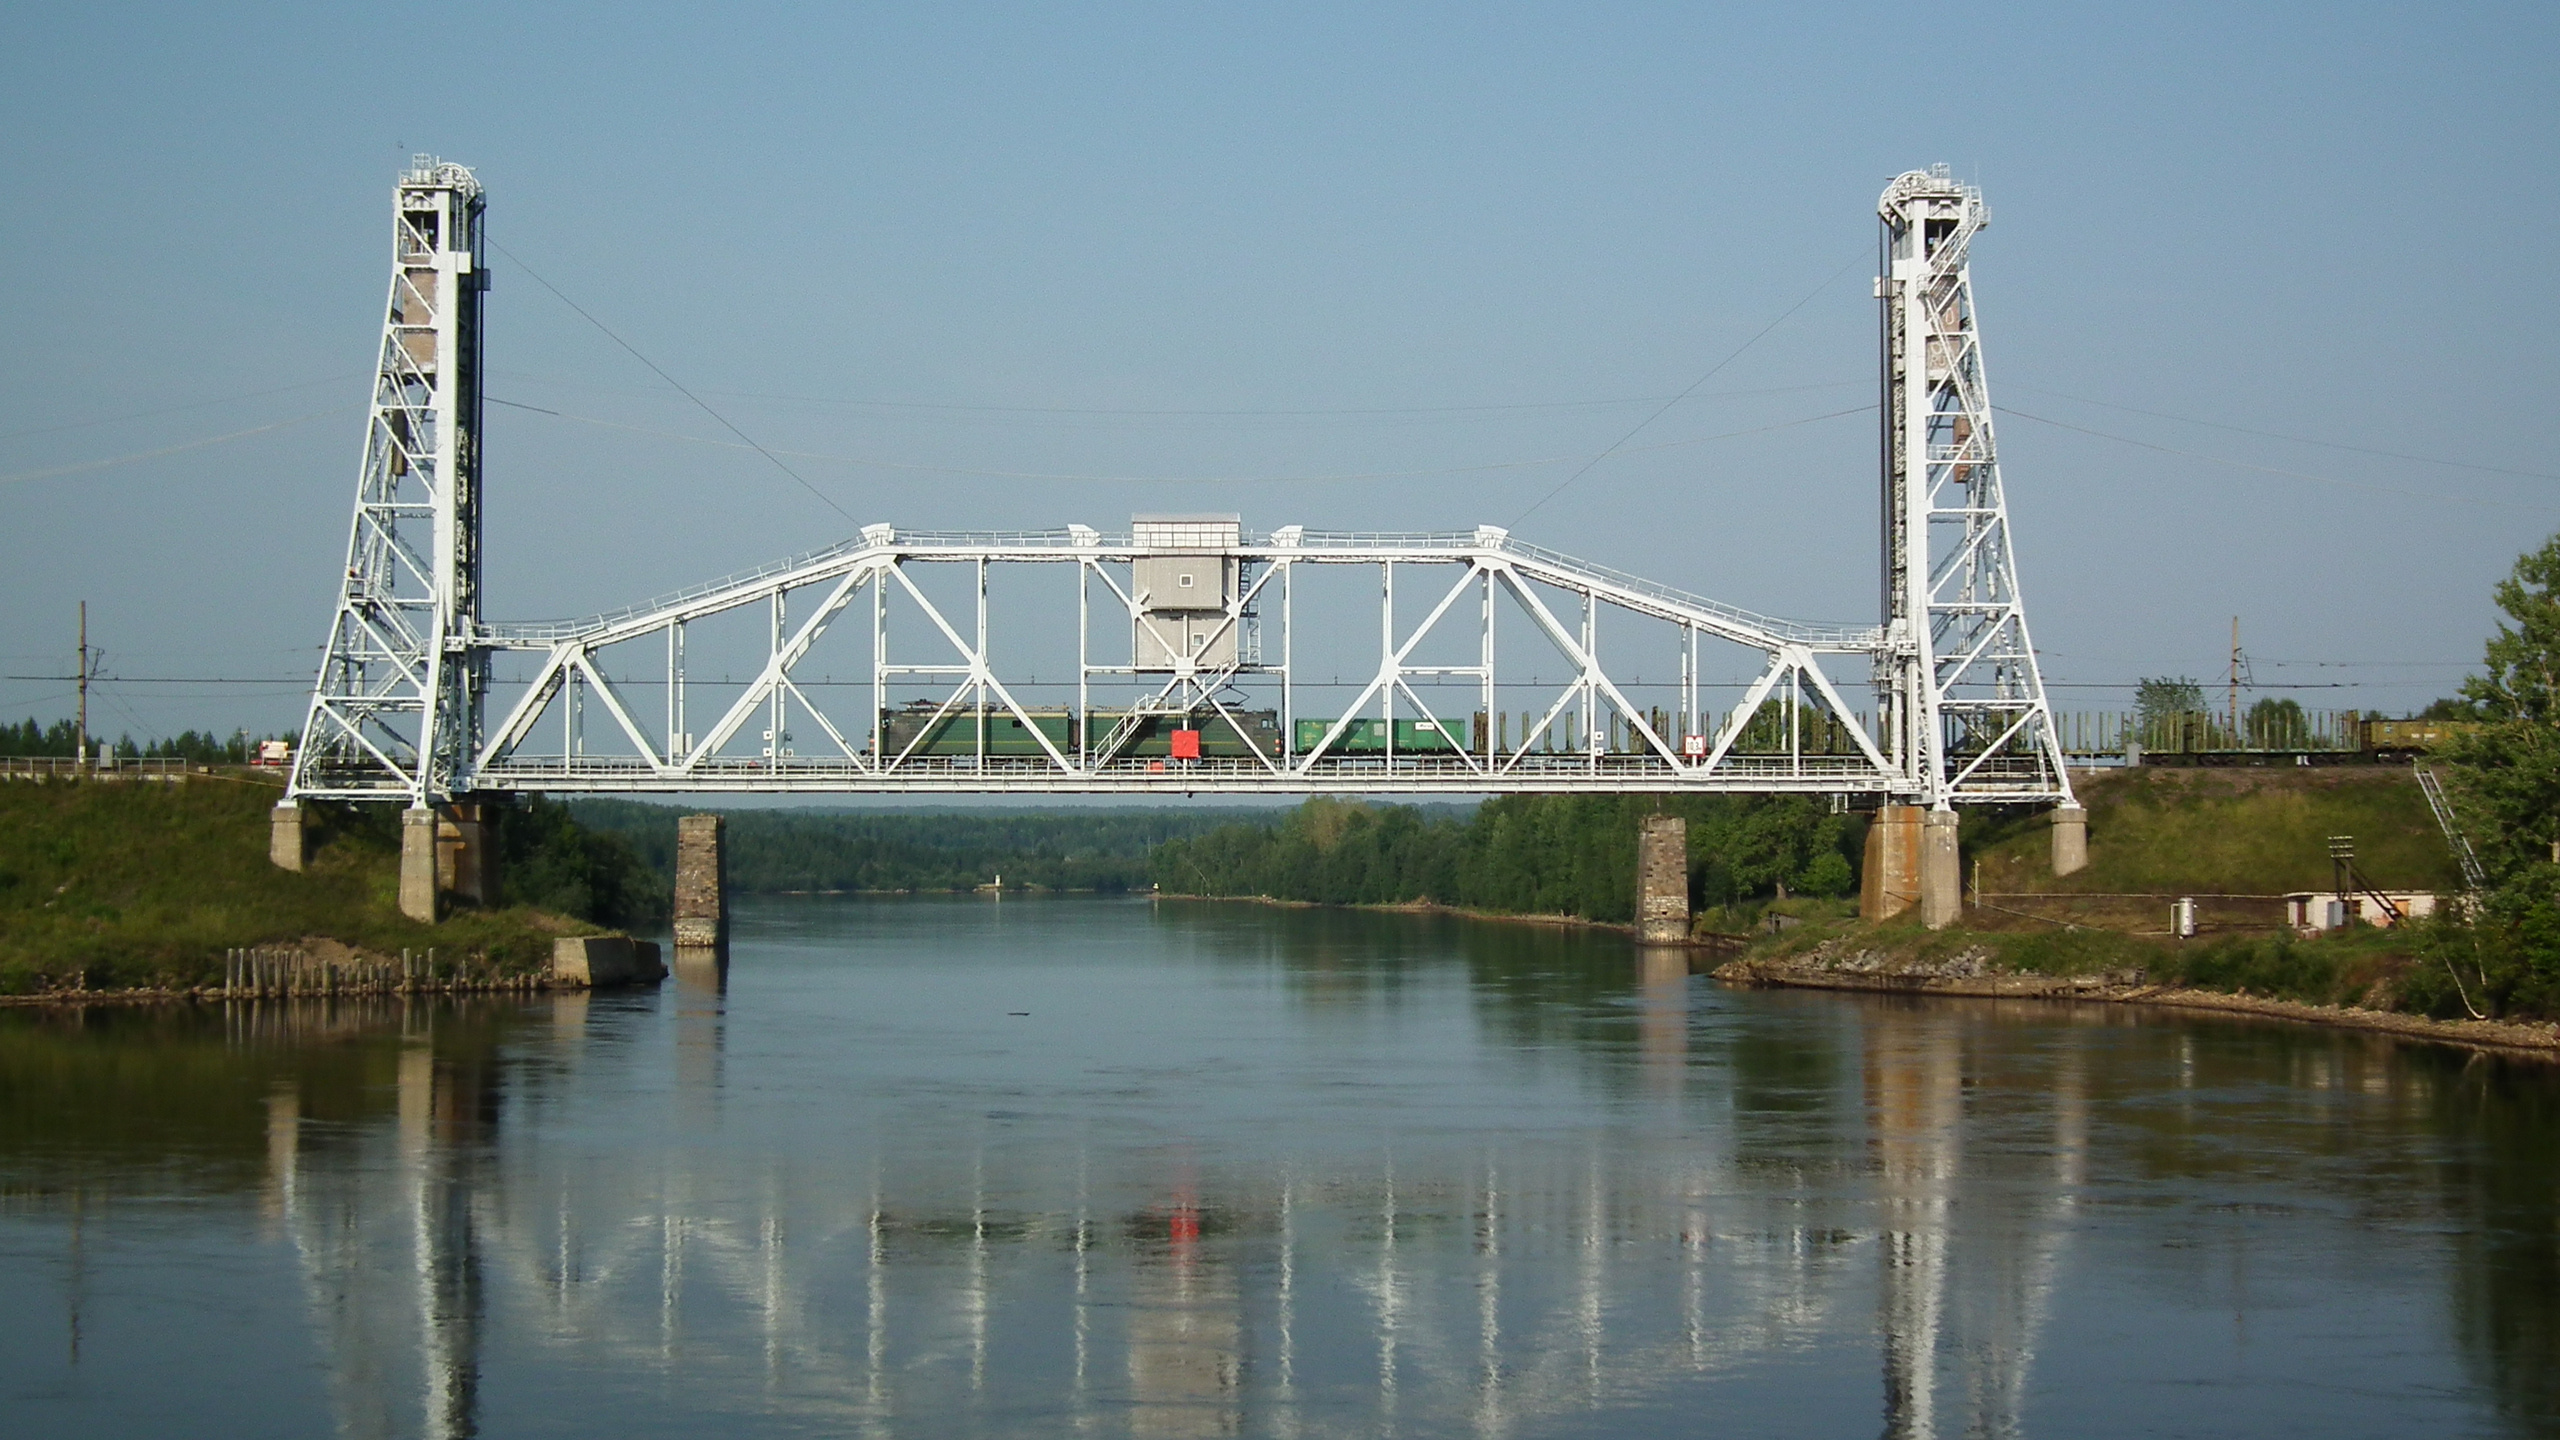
(1193, 656)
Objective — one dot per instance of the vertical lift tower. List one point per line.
(397, 709)
(1963, 700)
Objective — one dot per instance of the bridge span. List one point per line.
(1185, 654)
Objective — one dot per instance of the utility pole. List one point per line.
(2235, 680)
(82, 741)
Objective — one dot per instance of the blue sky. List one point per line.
(1079, 240)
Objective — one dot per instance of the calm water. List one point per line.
(1085, 1166)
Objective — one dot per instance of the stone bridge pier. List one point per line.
(702, 893)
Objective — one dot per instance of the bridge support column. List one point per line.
(702, 889)
(1891, 882)
(418, 863)
(2070, 839)
(289, 835)
(1941, 871)
(1662, 880)
(467, 851)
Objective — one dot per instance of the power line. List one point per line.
(2269, 469)
(1562, 485)
(174, 409)
(86, 465)
(823, 497)
(1174, 479)
(1310, 413)
(2280, 435)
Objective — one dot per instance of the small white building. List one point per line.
(2312, 911)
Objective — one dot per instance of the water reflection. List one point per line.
(1217, 1173)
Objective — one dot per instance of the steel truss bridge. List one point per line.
(1193, 659)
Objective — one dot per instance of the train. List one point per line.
(2340, 738)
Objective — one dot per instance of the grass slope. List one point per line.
(2234, 831)
(120, 884)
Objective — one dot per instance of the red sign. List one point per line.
(1186, 744)
(1694, 746)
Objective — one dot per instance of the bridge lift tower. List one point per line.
(400, 709)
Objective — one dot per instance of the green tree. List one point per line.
(2161, 696)
(2506, 777)
(2276, 724)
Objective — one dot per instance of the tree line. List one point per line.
(1519, 854)
(61, 740)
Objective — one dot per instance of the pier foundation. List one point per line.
(1662, 880)
(1892, 872)
(418, 863)
(2070, 839)
(1941, 872)
(702, 888)
(289, 835)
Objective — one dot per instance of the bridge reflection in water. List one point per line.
(1589, 1194)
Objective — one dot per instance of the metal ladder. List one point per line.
(2453, 836)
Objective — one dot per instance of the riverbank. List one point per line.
(149, 889)
(1974, 973)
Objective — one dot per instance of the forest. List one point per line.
(1521, 854)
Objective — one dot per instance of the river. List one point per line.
(1102, 1166)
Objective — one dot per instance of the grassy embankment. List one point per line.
(2235, 838)
(116, 885)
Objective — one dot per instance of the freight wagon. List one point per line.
(914, 731)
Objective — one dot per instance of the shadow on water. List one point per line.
(956, 1168)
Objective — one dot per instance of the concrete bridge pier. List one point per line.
(1891, 881)
(702, 892)
(1662, 880)
(418, 897)
(2070, 839)
(1912, 861)
(289, 835)
(1941, 871)
(446, 850)
(467, 850)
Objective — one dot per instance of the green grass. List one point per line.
(121, 884)
(2235, 831)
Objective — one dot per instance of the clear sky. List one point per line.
(1231, 254)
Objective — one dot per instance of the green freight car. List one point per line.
(1369, 737)
(914, 731)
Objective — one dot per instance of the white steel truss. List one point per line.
(396, 710)
(1961, 691)
(1201, 704)
(1609, 741)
